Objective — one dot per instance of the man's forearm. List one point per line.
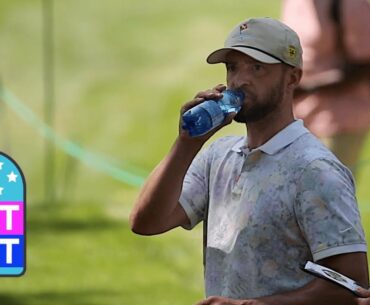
(317, 292)
(160, 194)
(322, 292)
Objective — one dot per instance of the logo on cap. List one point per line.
(243, 27)
(292, 52)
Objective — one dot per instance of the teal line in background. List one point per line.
(90, 159)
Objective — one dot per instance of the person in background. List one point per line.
(333, 98)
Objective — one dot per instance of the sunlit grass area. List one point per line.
(85, 254)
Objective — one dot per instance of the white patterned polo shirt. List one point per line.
(270, 210)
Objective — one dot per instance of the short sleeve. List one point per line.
(194, 194)
(327, 211)
(355, 24)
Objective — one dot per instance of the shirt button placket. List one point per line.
(249, 161)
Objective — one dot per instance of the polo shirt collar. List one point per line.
(282, 139)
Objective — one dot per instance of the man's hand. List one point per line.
(225, 301)
(366, 297)
(212, 94)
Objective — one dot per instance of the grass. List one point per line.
(123, 69)
(81, 254)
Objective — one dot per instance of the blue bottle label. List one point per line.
(214, 111)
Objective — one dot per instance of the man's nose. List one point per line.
(238, 80)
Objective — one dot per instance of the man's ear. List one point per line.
(294, 77)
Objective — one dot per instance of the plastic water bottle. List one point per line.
(211, 113)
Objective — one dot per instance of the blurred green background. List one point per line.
(122, 71)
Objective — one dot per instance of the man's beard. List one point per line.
(258, 109)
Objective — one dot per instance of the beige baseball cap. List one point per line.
(264, 39)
